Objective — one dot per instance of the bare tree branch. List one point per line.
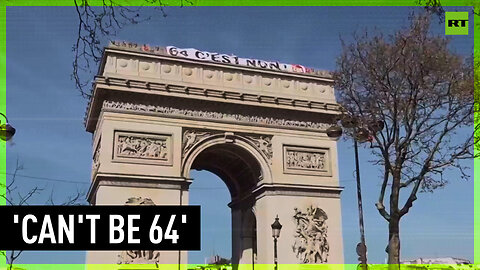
(15, 197)
(98, 25)
(380, 205)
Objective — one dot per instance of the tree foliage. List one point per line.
(423, 94)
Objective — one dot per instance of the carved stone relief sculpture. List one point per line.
(138, 147)
(311, 245)
(134, 146)
(139, 256)
(264, 144)
(139, 201)
(306, 160)
(193, 136)
(211, 115)
(96, 159)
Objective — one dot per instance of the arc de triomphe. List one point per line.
(155, 117)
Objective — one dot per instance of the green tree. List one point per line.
(423, 94)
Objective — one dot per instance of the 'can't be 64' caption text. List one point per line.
(102, 227)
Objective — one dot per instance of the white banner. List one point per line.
(232, 59)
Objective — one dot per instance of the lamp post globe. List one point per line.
(376, 125)
(334, 131)
(6, 130)
(361, 134)
(276, 228)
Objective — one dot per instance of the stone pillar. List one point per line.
(265, 213)
(316, 214)
(243, 237)
(137, 160)
(137, 191)
(236, 235)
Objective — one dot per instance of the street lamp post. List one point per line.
(361, 247)
(359, 135)
(6, 130)
(276, 227)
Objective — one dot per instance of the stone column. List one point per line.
(138, 191)
(243, 237)
(317, 214)
(137, 161)
(236, 235)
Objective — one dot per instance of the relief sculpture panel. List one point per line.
(142, 148)
(306, 160)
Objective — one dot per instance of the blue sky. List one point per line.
(51, 141)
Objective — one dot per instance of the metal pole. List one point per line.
(275, 253)
(359, 197)
(4, 116)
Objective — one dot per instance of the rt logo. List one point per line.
(456, 23)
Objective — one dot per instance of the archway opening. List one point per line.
(241, 172)
(209, 191)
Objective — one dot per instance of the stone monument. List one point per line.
(157, 113)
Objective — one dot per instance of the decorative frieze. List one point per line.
(142, 148)
(311, 242)
(215, 116)
(306, 160)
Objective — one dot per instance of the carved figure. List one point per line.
(96, 158)
(139, 201)
(141, 147)
(305, 160)
(117, 105)
(139, 256)
(264, 144)
(311, 245)
(191, 137)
